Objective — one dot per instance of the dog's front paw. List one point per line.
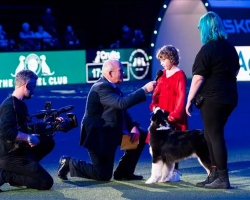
(166, 179)
(162, 180)
(152, 180)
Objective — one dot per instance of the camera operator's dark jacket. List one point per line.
(103, 119)
(8, 122)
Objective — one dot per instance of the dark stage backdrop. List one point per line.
(97, 22)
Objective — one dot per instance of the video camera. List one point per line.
(49, 122)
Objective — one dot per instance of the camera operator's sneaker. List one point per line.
(63, 168)
(1, 179)
(14, 185)
(176, 176)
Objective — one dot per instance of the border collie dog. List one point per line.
(168, 146)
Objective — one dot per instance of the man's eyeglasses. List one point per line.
(120, 71)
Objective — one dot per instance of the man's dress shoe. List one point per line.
(63, 168)
(128, 178)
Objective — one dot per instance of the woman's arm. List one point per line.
(195, 85)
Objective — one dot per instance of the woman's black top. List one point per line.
(218, 62)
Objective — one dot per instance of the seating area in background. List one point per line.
(31, 28)
(36, 28)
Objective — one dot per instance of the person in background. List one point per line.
(170, 93)
(27, 37)
(70, 39)
(48, 21)
(3, 39)
(127, 37)
(104, 122)
(138, 40)
(214, 79)
(44, 36)
(26, 32)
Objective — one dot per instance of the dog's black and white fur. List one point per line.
(168, 146)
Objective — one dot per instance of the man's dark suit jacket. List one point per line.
(102, 123)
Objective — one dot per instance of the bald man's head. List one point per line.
(113, 71)
(109, 65)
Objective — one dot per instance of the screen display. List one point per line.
(136, 64)
(72, 67)
(244, 59)
(52, 67)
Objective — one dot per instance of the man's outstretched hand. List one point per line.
(150, 86)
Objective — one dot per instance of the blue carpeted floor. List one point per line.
(236, 133)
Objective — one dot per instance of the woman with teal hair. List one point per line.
(214, 89)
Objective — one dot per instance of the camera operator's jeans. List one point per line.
(25, 170)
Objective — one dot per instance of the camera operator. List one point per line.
(20, 153)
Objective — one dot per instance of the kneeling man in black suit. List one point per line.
(104, 122)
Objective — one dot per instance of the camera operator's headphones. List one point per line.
(28, 88)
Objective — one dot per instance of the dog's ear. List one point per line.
(158, 112)
(153, 118)
(157, 115)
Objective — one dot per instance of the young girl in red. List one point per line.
(170, 92)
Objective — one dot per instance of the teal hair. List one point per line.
(211, 28)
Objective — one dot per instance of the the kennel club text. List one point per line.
(54, 80)
(61, 80)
